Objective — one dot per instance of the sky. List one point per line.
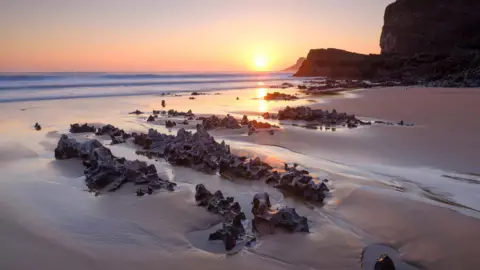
(180, 35)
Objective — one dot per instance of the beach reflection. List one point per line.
(262, 104)
(261, 92)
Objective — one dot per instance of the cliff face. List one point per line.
(331, 63)
(432, 26)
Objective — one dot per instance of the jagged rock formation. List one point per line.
(106, 171)
(232, 227)
(117, 135)
(430, 26)
(284, 217)
(295, 67)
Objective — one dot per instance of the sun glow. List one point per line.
(261, 62)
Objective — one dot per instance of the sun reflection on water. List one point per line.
(262, 105)
(261, 92)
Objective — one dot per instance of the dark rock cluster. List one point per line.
(104, 171)
(77, 128)
(279, 96)
(324, 117)
(232, 227)
(213, 122)
(200, 151)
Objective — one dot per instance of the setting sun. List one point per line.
(261, 62)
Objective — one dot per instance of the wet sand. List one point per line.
(380, 186)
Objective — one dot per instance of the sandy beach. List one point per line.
(408, 191)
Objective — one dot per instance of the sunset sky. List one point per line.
(180, 35)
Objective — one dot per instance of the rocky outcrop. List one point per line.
(430, 26)
(332, 63)
(106, 171)
(297, 65)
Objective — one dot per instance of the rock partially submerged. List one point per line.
(323, 117)
(37, 127)
(284, 217)
(174, 113)
(170, 124)
(279, 96)
(283, 85)
(300, 183)
(232, 227)
(137, 112)
(77, 128)
(106, 171)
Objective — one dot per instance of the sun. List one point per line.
(261, 62)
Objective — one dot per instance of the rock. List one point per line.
(266, 115)
(106, 171)
(284, 217)
(232, 227)
(151, 118)
(238, 98)
(279, 96)
(37, 127)
(215, 122)
(191, 98)
(137, 112)
(163, 103)
(384, 263)
(76, 128)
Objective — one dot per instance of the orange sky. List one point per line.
(187, 35)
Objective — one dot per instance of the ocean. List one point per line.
(49, 86)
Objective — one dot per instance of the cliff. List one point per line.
(439, 26)
(295, 67)
(430, 42)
